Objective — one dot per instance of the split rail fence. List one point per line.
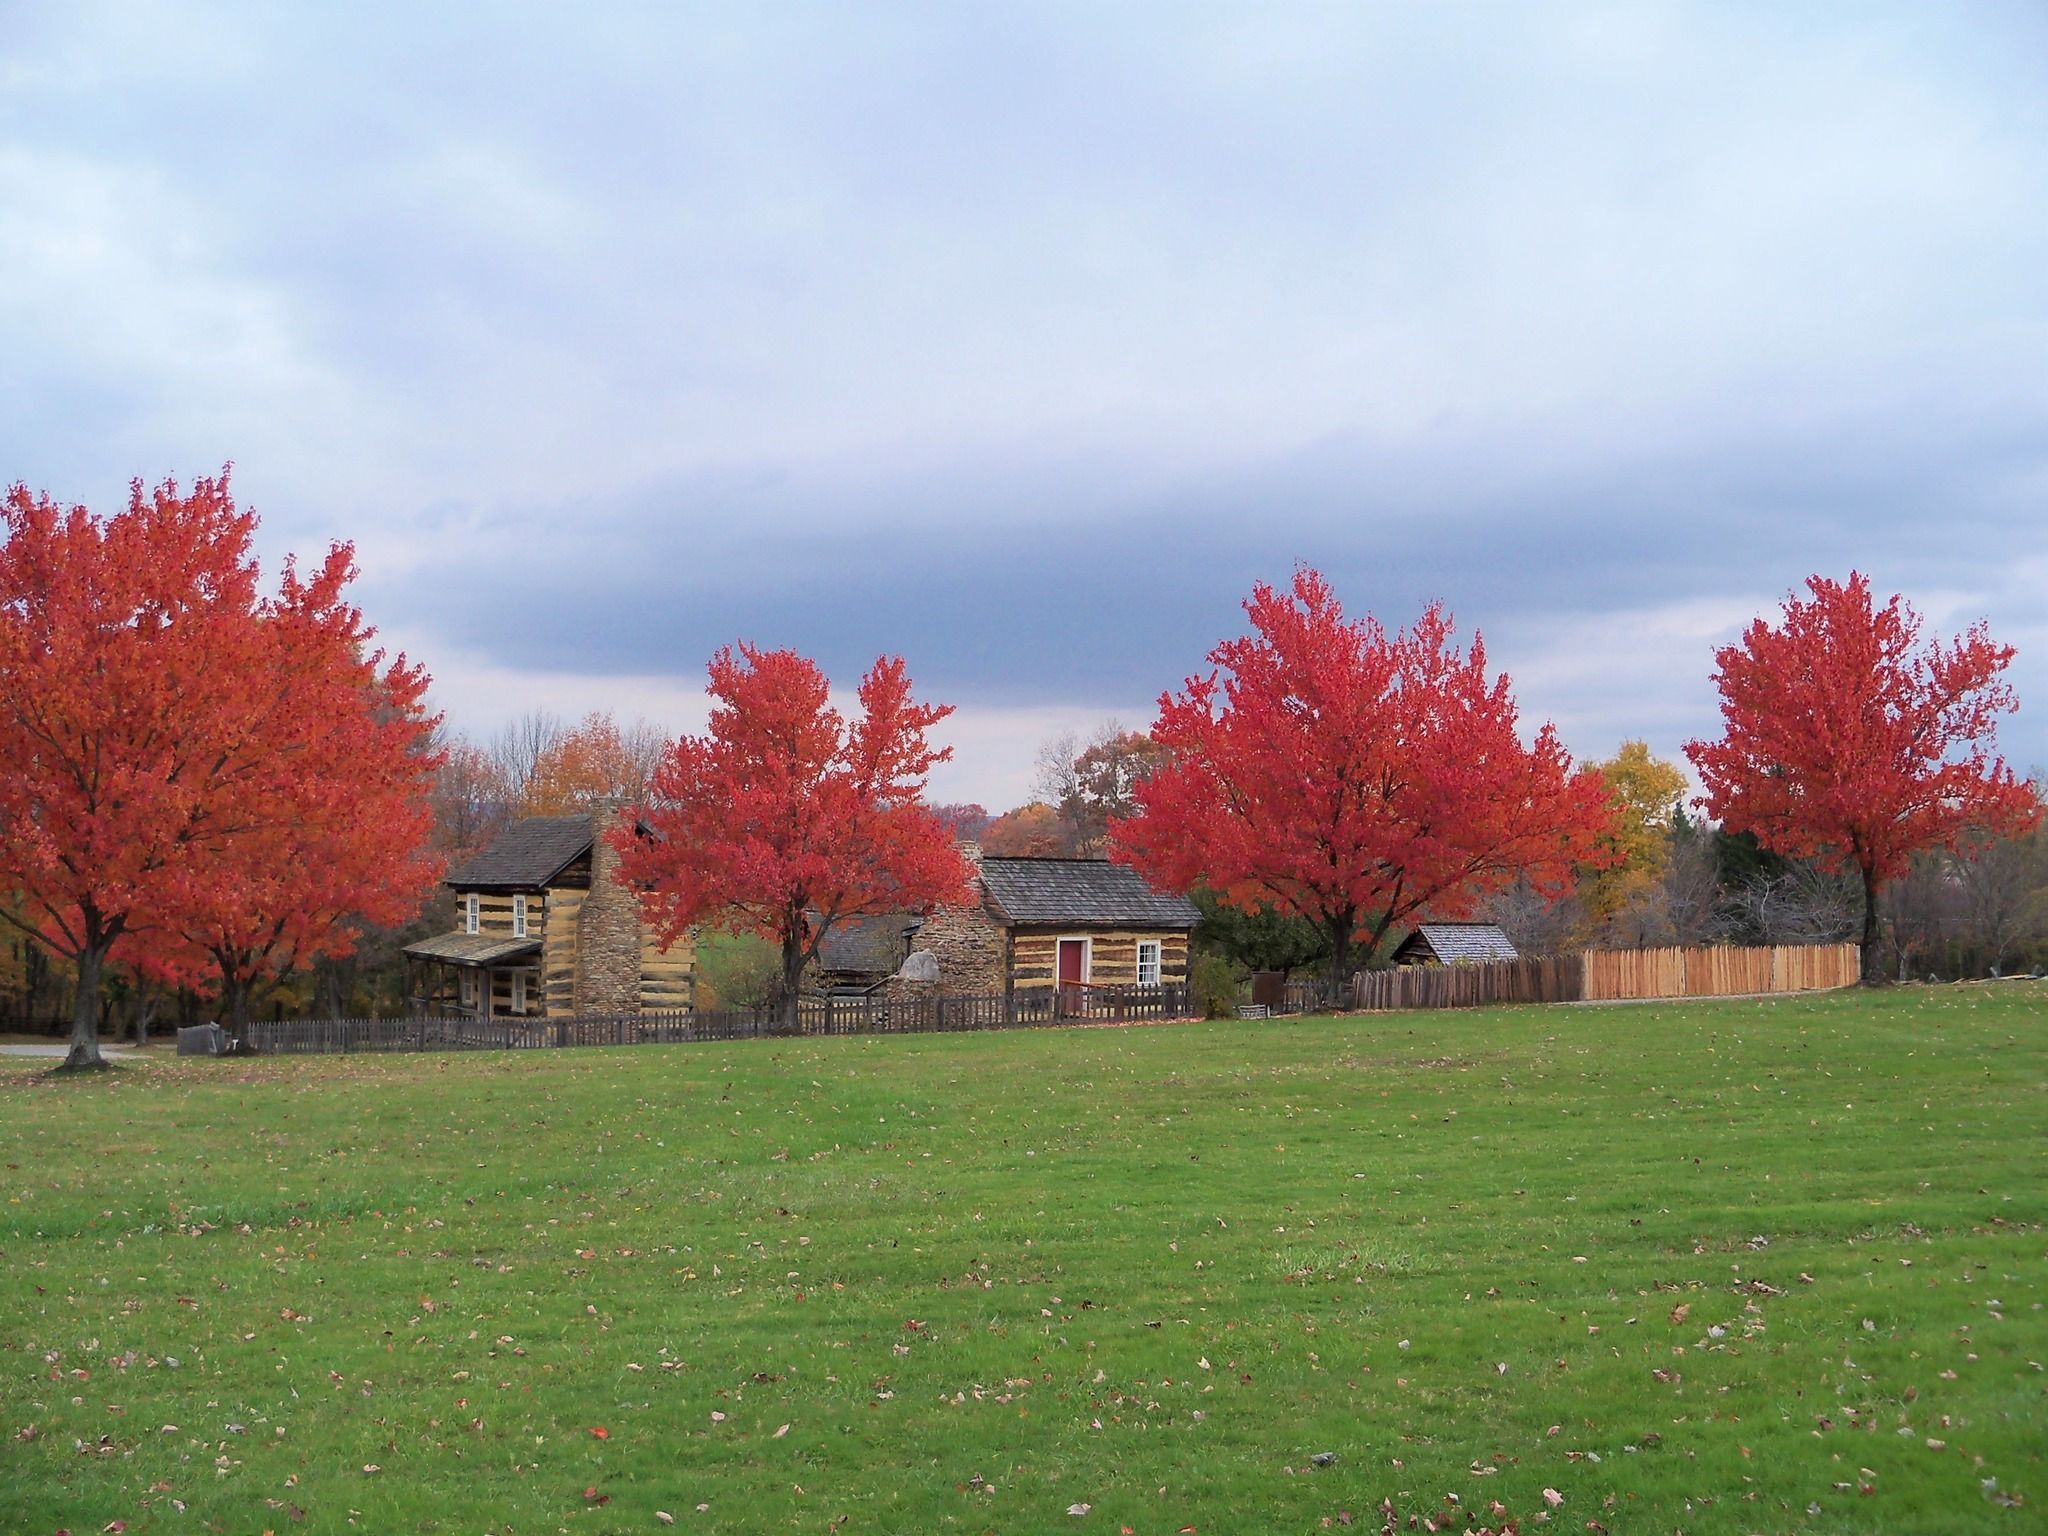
(1614, 975)
(869, 1015)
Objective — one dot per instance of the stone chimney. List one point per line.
(965, 939)
(607, 927)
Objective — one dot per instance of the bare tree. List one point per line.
(1802, 904)
(520, 745)
(1093, 782)
(2004, 891)
(1536, 924)
(1922, 913)
(1690, 888)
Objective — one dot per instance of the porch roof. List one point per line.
(477, 949)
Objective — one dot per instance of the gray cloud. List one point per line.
(1021, 341)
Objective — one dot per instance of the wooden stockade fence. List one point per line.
(1617, 975)
(871, 1015)
(1614, 975)
(1545, 979)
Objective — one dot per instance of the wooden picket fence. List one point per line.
(874, 1014)
(1613, 975)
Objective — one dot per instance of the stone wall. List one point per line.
(607, 931)
(968, 942)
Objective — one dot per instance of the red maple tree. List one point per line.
(1849, 739)
(163, 725)
(1356, 779)
(786, 818)
(341, 842)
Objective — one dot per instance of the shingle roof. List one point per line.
(461, 948)
(868, 945)
(527, 854)
(1084, 893)
(1466, 941)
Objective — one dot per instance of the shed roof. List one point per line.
(527, 854)
(461, 948)
(1082, 893)
(1451, 942)
(872, 945)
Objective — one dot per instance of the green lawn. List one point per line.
(1730, 1266)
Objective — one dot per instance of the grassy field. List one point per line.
(1733, 1266)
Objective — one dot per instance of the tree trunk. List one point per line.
(792, 982)
(1873, 961)
(84, 1055)
(234, 1004)
(1337, 974)
(147, 1001)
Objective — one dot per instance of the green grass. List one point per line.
(984, 1278)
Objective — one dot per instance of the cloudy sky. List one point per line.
(1022, 339)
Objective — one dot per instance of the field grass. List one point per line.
(1731, 1266)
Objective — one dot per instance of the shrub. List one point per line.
(1213, 984)
(736, 970)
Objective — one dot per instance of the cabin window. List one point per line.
(519, 980)
(469, 913)
(1148, 962)
(469, 989)
(518, 920)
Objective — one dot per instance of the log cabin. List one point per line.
(547, 931)
(1045, 923)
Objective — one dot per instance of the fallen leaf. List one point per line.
(1678, 1312)
(780, 1433)
(599, 1432)
(664, 1517)
(1078, 1510)
(1552, 1497)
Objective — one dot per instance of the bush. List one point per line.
(737, 970)
(1213, 983)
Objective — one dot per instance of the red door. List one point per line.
(1073, 962)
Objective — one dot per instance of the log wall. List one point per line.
(1113, 959)
(668, 977)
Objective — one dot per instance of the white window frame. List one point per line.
(1158, 961)
(519, 992)
(519, 916)
(469, 913)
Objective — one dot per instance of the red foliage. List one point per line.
(1030, 831)
(177, 752)
(1355, 779)
(786, 817)
(964, 819)
(1849, 739)
(340, 840)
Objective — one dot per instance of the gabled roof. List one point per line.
(1081, 893)
(1452, 942)
(527, 855)
(871, 945)
(461, 948)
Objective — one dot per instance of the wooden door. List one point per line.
(1073, 974)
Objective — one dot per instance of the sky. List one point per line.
(1021, 340)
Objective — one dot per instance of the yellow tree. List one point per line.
(1645, 792)
(595, 761)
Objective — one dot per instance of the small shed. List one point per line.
(858, 954)
(1455, 944)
